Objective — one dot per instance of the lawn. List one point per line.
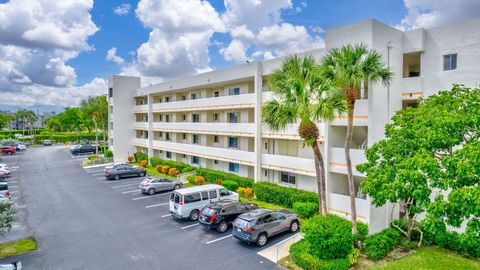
(427, 258)
(17, 247)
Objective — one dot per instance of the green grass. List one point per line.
(262, 204)
(17, 247)
(427, 258)
(153, 171)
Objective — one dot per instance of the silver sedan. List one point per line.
(152, 185)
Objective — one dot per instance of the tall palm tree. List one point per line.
(91, 107)
(301, 95)
(349, 67)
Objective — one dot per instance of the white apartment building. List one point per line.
(214, 119)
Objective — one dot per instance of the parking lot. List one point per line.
(83, 221)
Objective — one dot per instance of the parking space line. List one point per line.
(100, 178)
(155, 205)
(189, 226)
(219, 239)
(95, 171)
(127, 185)
(13, 192)
(13, 186)
(122, 180)
(12, 178)
(130, 191)
(164, 216)
(148, 197)
(97, 174)
(13, 182)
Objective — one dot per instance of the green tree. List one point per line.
(301, 95)
(7, 215)
(94, 108)
(349, 67)
(430, 162)
(5, 119)
(53, 124)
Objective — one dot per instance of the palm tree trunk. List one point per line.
(320, 170)
(104, 131)
(365, 89)
(348, 144)
(96, 135)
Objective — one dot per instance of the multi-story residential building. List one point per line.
(214, 119)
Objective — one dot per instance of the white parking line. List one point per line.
(13, 182)
(189, 226)
(148, 197)
(122, 180)
(130, 191)
(127, 185)
(100, 178)
(164, 216)
(12, 178)
(95, 171)
(13, 187)
(219, 239)
(13, 192)
(97, 174)
(155, 205)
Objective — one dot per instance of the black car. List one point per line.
(83, 149)
(219, 215)
(125, 170)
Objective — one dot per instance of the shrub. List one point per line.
(230, 185)
(108, 154)
(362, 232)
(305, 209)
(218, 181)
(329, 236)
(246, 192)
(408, 245)
(300, 254)
(130, 159)
(92, 157)
(165, 169)
(283, 196)
(143, 163)
(470, 245)
(199, 180)
(140, 156)
(212, 175)
(353, 256)
(378, 245)
(191, 179)
(173, 171)
(159, 168)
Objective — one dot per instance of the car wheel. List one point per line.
(177, 187)
(151, 191)
(194, 215)
(294, 226)
(142, 174)
(222, 227)
(116, 177)
(262, 240)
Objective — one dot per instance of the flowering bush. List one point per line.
(165, 169)
(199, 180)
(159, 168)
(218, 181)
(246, 192)
(191, 179)
(130, 159)
(173, 171)
(143, 163)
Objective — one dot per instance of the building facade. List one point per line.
(214, 119)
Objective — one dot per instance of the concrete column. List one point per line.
(258, 122)
(150, 131)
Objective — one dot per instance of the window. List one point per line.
(233, 142)
(224, 192)
(204, 195)
(160, 134)
(215, 117)
(184, 156)
(216, 94)
(215, 138)
(195, 118)
(215, 161)
(196, 138)
(167, 118)
(167, 99)
(266, 146)
(195, 160)
(160, 117)
(110, 92)
(266, 173)
(184, 97)
(234, 91)
(233, 117)
(213, 194)
(288, 178)
(167, 136)
(190, 198)
(184, 117)
(184, 136)
(169, 154)
(195, 95)
(450, 62)
(233, 167)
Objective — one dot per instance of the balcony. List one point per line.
(141, 108)
(224, 154)
(140, 142)
(290, 132)
(141, 125)
(337, 160)
(412, 87)
(339, 204)
(360, 115)
(237, 129)
(304, 166)
(203, 104)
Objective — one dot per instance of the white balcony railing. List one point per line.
(337, 160)
(141, 125)
(238, 129)
(339, 204)
(214, 103)
(304, 166)
(290, 132)
(224, 154)
(141, 108)
(140, 142)
(412, 85)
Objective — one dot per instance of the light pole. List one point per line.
(389, 47)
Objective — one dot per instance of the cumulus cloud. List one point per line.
(427, 14)
(112, 56)
(122, 9)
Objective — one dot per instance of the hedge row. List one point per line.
(378, 245)
(212, 175)
(183, 167)
(299, 252)
(283, 196)
(12, 133)
(467, 243)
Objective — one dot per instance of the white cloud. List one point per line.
(179, 40)
(427, 14)
(122, 9)
(112, 56)
(235, 51)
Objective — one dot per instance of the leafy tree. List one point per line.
(301, 95)
(95, 108)
(7, 215)
(430, 162)
(349, 67)
(5, 119)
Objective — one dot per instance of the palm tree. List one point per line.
(301, 95)
(349, 67)
(91, 108)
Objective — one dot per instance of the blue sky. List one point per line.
(53, 54)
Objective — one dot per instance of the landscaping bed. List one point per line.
(17, 247)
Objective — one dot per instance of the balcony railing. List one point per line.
(214, 103)
(141, 125)
(224, 154)
(140, 142)
(290, 132)
(237, 129)
(337, 160)
(141, 108)
(304, 166)
(412, 86)
(339, 204)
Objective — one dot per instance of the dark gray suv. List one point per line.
(258, 225)
(126, 170)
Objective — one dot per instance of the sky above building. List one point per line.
(55, 53)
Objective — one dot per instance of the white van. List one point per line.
(187, 202)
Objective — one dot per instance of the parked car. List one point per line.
(11, 266)
(2, 175)
(107, 168)
(47, 142)
(21, 147)
(4, 190)
(7, 170)
(7, 150)
(258, 225)
(83, 149)
(187, 202)
(153, 185)
(125, 171)
(220, 215)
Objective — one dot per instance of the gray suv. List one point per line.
(152, 185)
(258, 225)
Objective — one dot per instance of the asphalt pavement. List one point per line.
(82, 221)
